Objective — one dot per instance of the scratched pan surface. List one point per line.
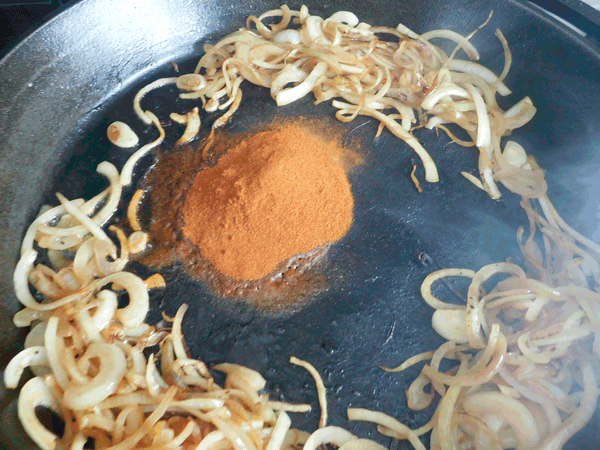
(68, 80)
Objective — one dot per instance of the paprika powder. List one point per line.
(276, 194)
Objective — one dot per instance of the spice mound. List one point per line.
(274, 195)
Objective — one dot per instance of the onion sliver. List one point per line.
(345, 17)
(290, 36)
(451, 324)
(33, 394)
(484, 130)
(469, 48)
(279, 431)
(104, 168)
(290, 95)
(132, 315)
(362, 444)
(32, 356)
(138, 97)
(122, 135)
(242, 377)
(54, 344)
(511, 410)
(93, 324)
(127, 172)
(321, 391)
(386, 421)
(328, 435)
(191, 82)
(113, 366)
(441, 91)
(481, 71)
(192, 127)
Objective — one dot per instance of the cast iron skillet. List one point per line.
(67, 81)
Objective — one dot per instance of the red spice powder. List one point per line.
(274, 195)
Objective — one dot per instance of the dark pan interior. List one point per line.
(67, 81)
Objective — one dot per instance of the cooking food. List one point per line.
(275, 195)
(527, 342)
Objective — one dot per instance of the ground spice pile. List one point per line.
(276, 194)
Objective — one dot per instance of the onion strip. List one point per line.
(321, 391)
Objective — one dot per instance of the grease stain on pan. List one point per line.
(295, 282)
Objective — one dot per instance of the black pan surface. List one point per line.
(67, 81)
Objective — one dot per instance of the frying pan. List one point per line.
(64, 83)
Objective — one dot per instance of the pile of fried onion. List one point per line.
(526, 341)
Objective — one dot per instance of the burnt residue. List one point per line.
(295, 282)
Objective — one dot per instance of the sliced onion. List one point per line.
(514, 154)
(484, 130)
(289, 407)
(549, 408)
(313, 27)
(290, 95)
(26, 316)
(33, 394)
(321, 391)
(510, 410)
(469, 48)
(135, 312)
(328, 435)
(32, 356)
(113, 366)
(44, 217)
(179, 118)
(201, 403)
(142, 92)
(441, 91)
(479, 70)
(155, 281)
(132, 211)
(92, 325)
(473, 179)
(192, 128)
(106, 212)
(83, 265)
(121, 135)
(388, 422)
(507, 55)
(287, 36)
(426, 286)
(520, 114)
(104, 251)
(431, 173)
(443, 432)
(289, 74)
(235, 434)
(451, 324)
(191, 82)
(473, 310)
(35, 337)
(345, 17)
(138, 240)
(127, 172)
(279, 431)
(154, 382)
(580, 417)
(211, 440)
(54, 344)
(362, 444)
(416, 397)
(406, 31)
(151, 420)
(242, 377)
